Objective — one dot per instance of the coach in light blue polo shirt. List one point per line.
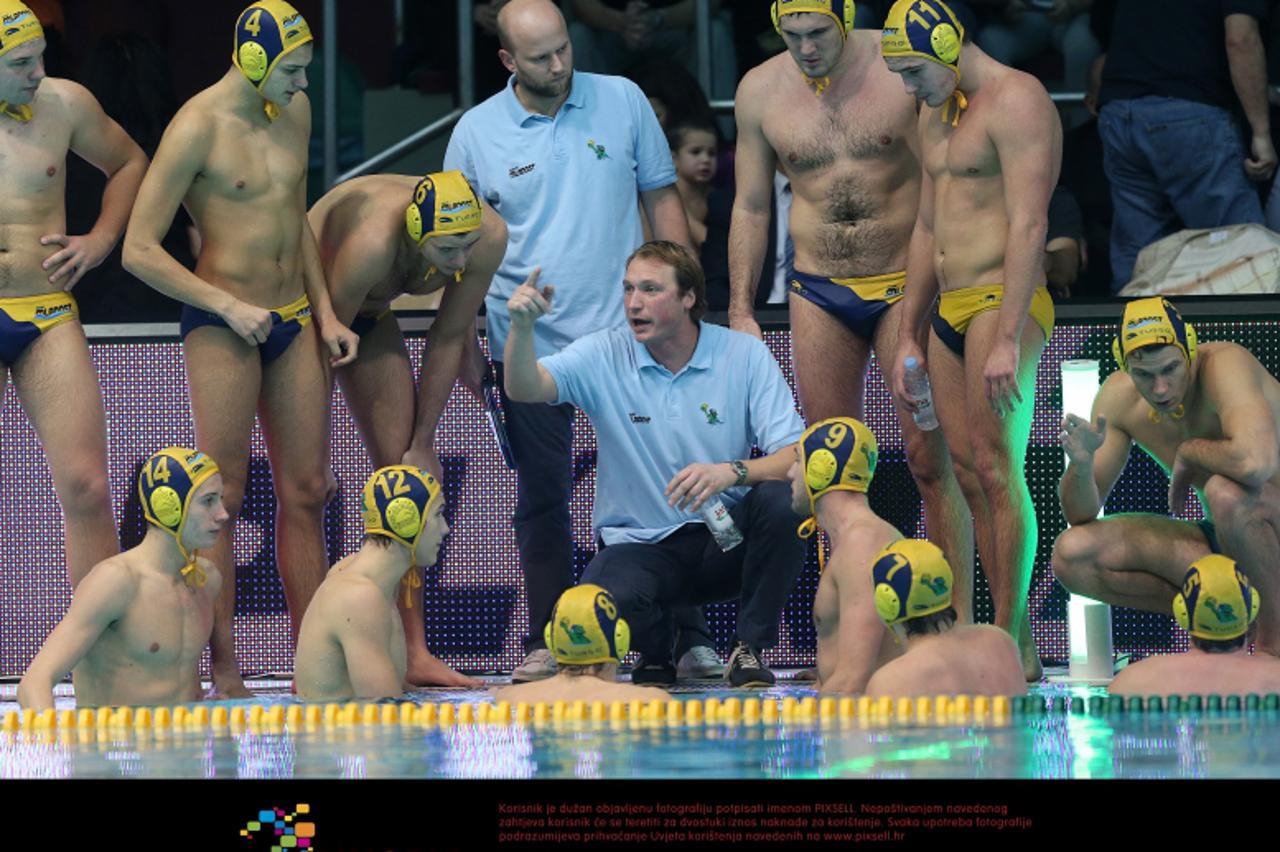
(677, 406)
(568, 160)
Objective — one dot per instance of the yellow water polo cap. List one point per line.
(443, 203)
(840, 11)
(266, 32)
(397, 501)
(585, 628)
(924, 28)
(837, 454)
(167, 482)
(18, 25)
(912, 579)
(1152, 321)
(1216, 601)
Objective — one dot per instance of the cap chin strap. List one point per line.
(410, 581)
(818, 84)
(18, 112)
(192, 573)
(807, 528)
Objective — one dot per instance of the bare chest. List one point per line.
(809, 133)
(263, 165)
(164, 627)
(962, 153)
(32, 163)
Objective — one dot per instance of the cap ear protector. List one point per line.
(1152, 321)
(397, 501)
(911, 579)
(1216, 602)
(443, 203)
(585, 628)
(840, 11)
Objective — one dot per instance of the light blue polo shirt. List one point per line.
(651, 424)
(568, 188)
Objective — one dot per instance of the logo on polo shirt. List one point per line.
(516, 171)
(713, 418)
(599, 150)
(639, 418)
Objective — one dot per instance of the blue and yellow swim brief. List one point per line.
(859, 303)
(25, 318)
(286, 323)
(957, 308)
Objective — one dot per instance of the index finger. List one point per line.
(53, 239)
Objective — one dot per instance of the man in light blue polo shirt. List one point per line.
(567, 160)
(677, 406)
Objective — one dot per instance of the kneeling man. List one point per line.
(139, 621)
(351, 643)
(667, 396)
(1208, 414)
(913, 583)
(1216, 606)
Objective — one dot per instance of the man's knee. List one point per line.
(993, 466)
(84, 492)
(1075, 558)
(303, 492)
(926, 459)
(1229, 502)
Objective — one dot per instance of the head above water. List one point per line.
(586, 629)
(169, 486)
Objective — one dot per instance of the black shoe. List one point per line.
(745, 668)
(646, 673)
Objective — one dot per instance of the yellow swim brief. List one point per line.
(25, 318)
(957, 308)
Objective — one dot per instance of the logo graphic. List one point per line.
(713, 418)
(639, 418)
(1223, 612)
(892, 290)
(577, 635)
(52, 311)
(276, 830)
(516, 171)
(599, 150)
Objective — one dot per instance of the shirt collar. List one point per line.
(700, 360)
(519, 114)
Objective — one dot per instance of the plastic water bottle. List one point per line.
(721, 524)
(918, 389)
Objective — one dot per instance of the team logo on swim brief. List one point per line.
(600, 152)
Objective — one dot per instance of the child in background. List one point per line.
(694, 145)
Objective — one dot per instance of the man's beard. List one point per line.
(547, 90)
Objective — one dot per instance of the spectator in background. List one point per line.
(1065, 254)
(1085, 178)
(617, 36)
(1173, 152)
(129, 76)
(1025, 29)
(693, 151)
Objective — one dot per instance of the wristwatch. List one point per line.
(740, 470)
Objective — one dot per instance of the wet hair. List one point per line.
(689, 276)
(593, 670)
(380, 540)
(1219, 646)
(934, 623)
